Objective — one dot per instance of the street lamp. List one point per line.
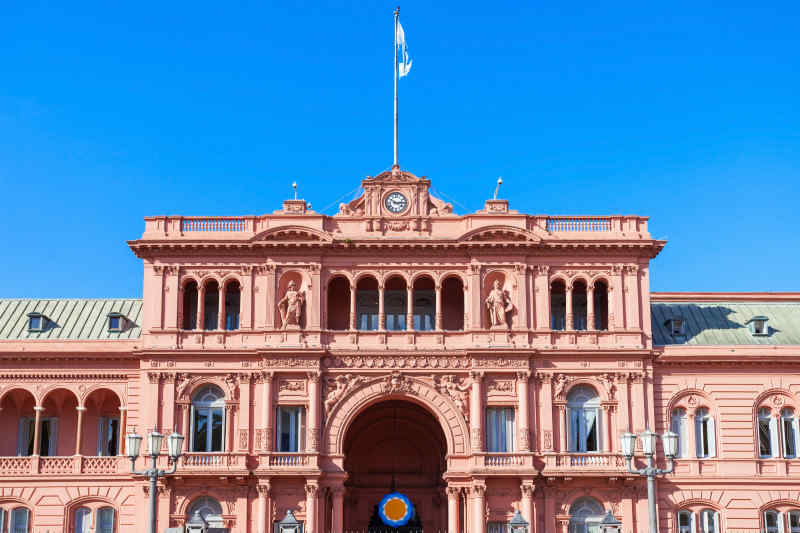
(649, 439)
(154, 439)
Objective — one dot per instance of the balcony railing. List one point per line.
(503, 460)
(212, 461)
(288, 460)
(213, 224)
(585, 462)
(61, 465)
(583, 224)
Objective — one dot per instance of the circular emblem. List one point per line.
(395, 509)
(395, 202)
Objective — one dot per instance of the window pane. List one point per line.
(591, 430)
(105, 520)
(20, 518)
(764, 444)
(82, 520)
(201, 430)
(44, 438)
(788, 438)
(216, 430)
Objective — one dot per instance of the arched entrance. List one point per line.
(401, 441)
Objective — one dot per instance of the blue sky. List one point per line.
(684, 111)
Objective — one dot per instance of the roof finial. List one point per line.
(294, 186)
(497, 189)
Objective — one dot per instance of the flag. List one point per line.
(404, 62)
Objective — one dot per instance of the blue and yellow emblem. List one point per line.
(395, 509)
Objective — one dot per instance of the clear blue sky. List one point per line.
(684, 111)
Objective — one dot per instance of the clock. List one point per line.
(395, 202)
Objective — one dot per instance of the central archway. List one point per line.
(395, 441)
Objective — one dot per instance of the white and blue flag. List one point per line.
(404, 61)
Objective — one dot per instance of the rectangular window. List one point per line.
(500, 429)
(291, 429)
(684, 522)
(105, 520)
(107, 435)
(208, 434)
(48, 436)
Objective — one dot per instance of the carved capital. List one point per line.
(525, 376)
(477, 375)
(314, 377)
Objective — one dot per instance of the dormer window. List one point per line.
(676, 326)
(758, 325)
(37, 322)
(117, 322)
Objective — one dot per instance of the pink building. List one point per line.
(480, 364)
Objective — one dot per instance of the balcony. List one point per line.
(202, 463)
(578, 464)
(63, 465)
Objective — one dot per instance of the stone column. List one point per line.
(315, 289)
(439, 326)
(123, 422)
(246, 298)
(173, 298)
(79, 435)
(546, 421)
(352, 307)
(201, 307)
(186, 425)
(337, 514)
(410, 307)
(523, 412)
(569, 325)
(244, 411)
(452, 509)
(265, 512)
(467, 313)
(608, 409)
(381, 309)
(542, 296)
(590, 306)
(475, 307)
(691, 434)
(564, 423)
(37, 422)
(266, 413)
(221, 308)
(311, 507)
(631, 296)
(479, 508)
(231, 429)
(313, 411)
(616, 311)
(527, 505)
(476, 410)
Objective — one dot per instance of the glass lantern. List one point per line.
(518, 524)
(649, 440)
(627, 441)
(154, 442)
(175, 445)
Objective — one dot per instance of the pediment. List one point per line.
(500, 234)
(395, 176)
(293, 234)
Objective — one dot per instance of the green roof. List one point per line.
(69, 319)
(725, 323)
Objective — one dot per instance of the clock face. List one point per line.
(395, 202)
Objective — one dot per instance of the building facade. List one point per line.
(480, 364)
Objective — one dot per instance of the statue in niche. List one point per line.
(498, 304)
(291, 307)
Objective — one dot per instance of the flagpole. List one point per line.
(396, 15)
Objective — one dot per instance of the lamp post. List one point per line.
(670, 443)
(174, 444)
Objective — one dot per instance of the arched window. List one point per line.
(773, 522)
(558, 305)
(232, 304)
(424, 304)
(105, 520)
(583, 412)
(211, 305)
(190, 305)
(453, 304)
(209, 510)
(705, 433)
(708, 521)
(19, 520)
(367, 304)
(585, 515)
(339, 304)
(579, 309)
(208, 420)
(678, 426)
(83, 520)
(600, 305)
(789, 432)
(767, 433)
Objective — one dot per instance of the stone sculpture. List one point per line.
(291, 307)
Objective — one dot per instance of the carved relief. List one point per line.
(451, 386)
(291, 362)
(548, 439)
(244, 439)
(609, 380)
(292, 385)
(500, 386)
(500, 362)
(560, 384)
(397, 382)
(291, 307)
(337, 388)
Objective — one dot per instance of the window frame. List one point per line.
(789, 425)
(300, 437)
(13, 512)
(104, 424)
(578, 419)
(98, 522)
(209, 407)
(493, 439)
(29, 431)
(43, 321)
(705, 434)
(680, 415)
